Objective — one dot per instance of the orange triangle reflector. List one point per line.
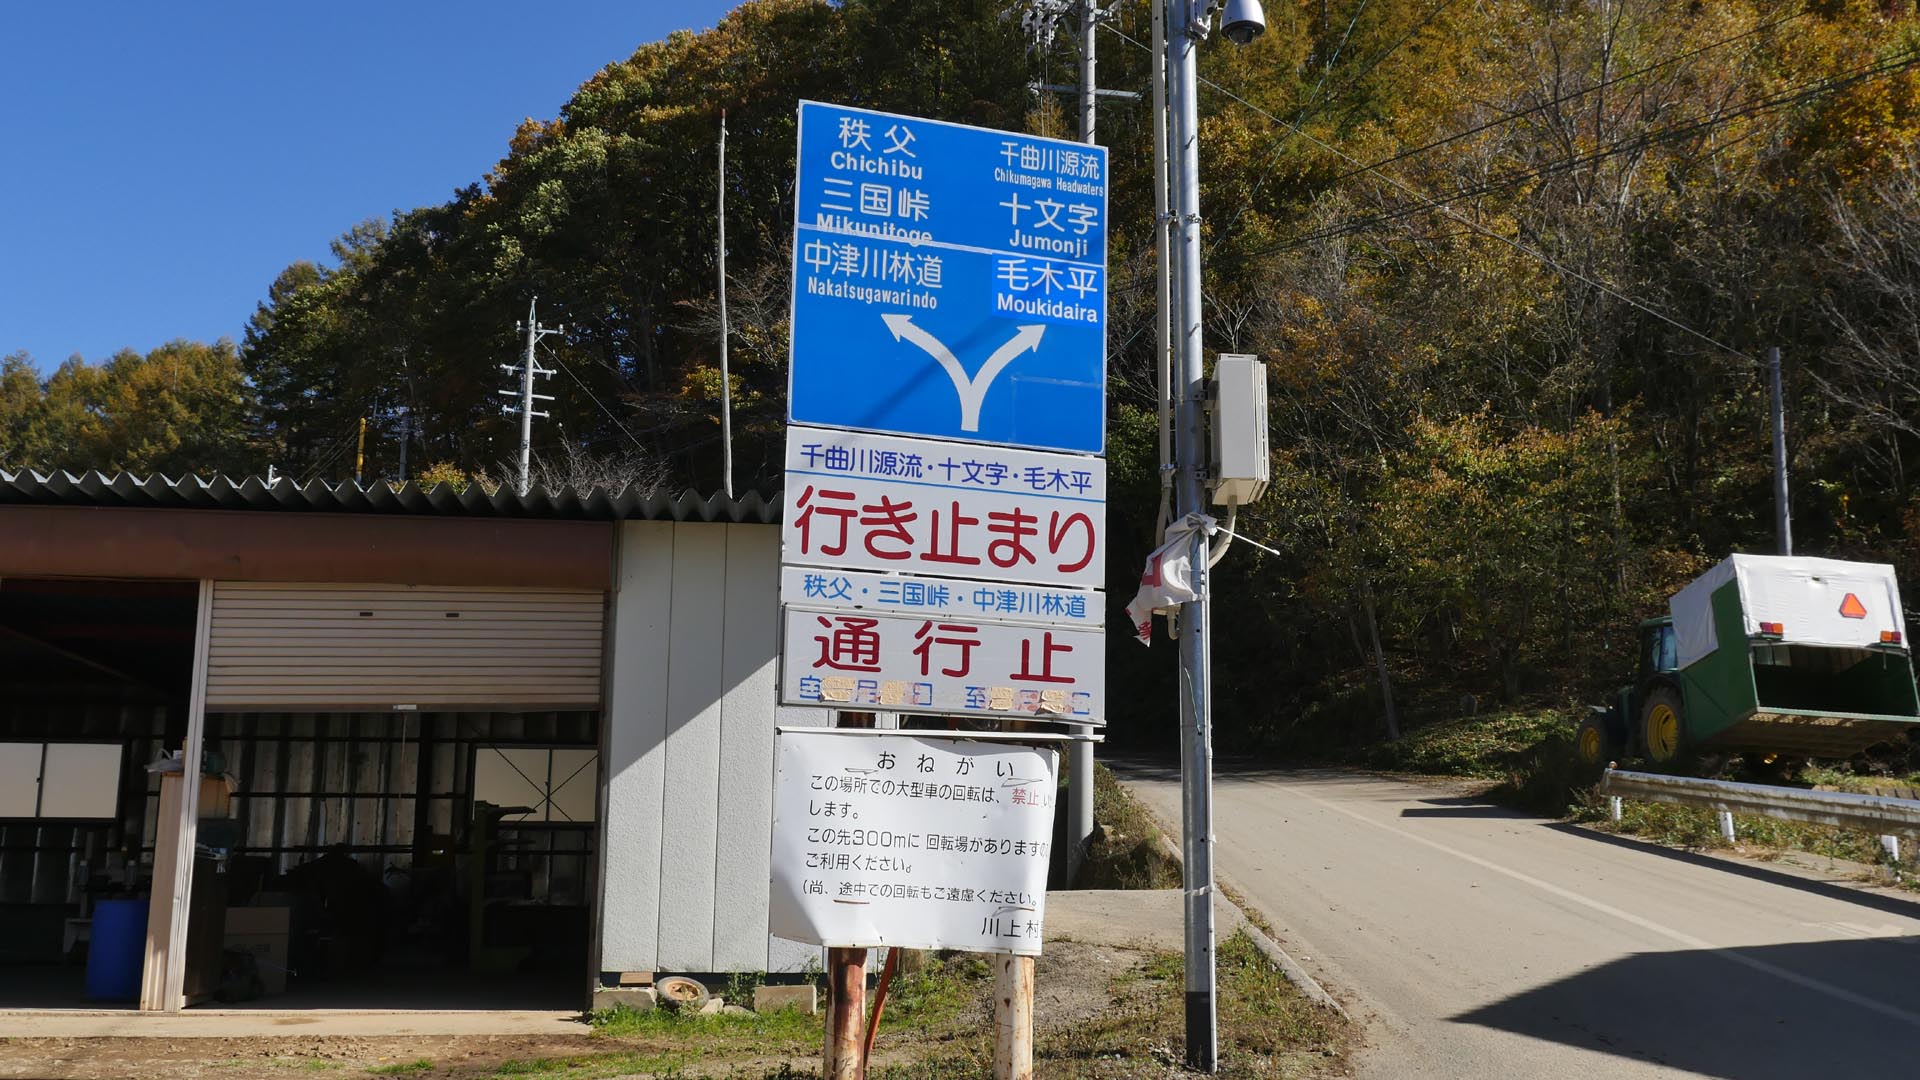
(1852, 608)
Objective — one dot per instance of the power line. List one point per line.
(1563, 99)
(1626, 144)
(339, 447)
(1311, 110)
(1506, 118)
(1512, 243)
(1507, 240)
(555, 357)
(1526, 249)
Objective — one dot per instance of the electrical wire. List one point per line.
(1515, 244)
(1625, 145)
(339, 447)
(555, 357)
(1621, 146)
(1576, 95)
(1311, 109)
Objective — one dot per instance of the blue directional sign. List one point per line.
(948, 281)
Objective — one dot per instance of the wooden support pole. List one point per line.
(1013, 1018)
(163, 979)
(846, 983)
(846, 1013)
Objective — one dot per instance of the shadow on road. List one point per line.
(1748, 1013)
(1903, 904)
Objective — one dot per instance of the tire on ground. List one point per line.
(1592, 744)
(680, 992)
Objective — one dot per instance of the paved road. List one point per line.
(1482, 943)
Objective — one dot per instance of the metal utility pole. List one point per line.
(726, 385)
(1163, 311)
(1196, 690)
(1089, 22)
(526, 370)
(1782, 513)
(1080, 752)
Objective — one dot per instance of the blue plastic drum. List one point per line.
(117, 950)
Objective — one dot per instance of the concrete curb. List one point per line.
(1289, 967)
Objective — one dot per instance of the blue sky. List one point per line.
(165, 161)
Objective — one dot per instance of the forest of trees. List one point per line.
(1514, 266)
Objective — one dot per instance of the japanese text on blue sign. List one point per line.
(949, 281)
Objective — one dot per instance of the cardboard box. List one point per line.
(263, 932)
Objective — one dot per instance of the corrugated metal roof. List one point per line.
(254, 493)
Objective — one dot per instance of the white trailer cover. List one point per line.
(1807, 597)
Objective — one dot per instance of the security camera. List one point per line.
(1243, 21)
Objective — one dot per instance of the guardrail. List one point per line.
(1888, 817)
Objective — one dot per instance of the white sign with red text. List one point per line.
(915, 506)
(933, 664)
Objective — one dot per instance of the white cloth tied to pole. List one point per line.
(1168, 580)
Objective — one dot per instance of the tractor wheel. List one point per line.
(1773, 768)
(1592, 744)
(1663, 729)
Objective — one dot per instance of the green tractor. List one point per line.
(1780, 656)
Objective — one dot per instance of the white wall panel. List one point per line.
(746, 746)
(636, 741)
(690, 751)
(695, 688)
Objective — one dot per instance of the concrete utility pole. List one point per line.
(1782, 512)
(526, 398)
(407, 424)
(526, 370)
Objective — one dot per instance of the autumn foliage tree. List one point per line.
(1512, 265)
(181, 409)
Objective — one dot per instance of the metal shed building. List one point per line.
(525, 739)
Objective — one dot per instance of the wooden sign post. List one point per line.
(918, 840)
(846, 1014)
(1013, 1018)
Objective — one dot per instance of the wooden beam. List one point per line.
(846, 1013)
(1013, 1018)
(262, 545)
(165, 990)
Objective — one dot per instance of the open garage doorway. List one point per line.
(398, 792)
(409, 860)
(95, 677)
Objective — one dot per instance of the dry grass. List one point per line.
(1127, 850)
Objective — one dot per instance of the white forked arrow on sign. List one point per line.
(972, 391)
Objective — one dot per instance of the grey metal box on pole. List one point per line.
(1241, 466)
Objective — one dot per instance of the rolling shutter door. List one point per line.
(322, 647)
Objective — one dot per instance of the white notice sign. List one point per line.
(929, 664)
(902, 840)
